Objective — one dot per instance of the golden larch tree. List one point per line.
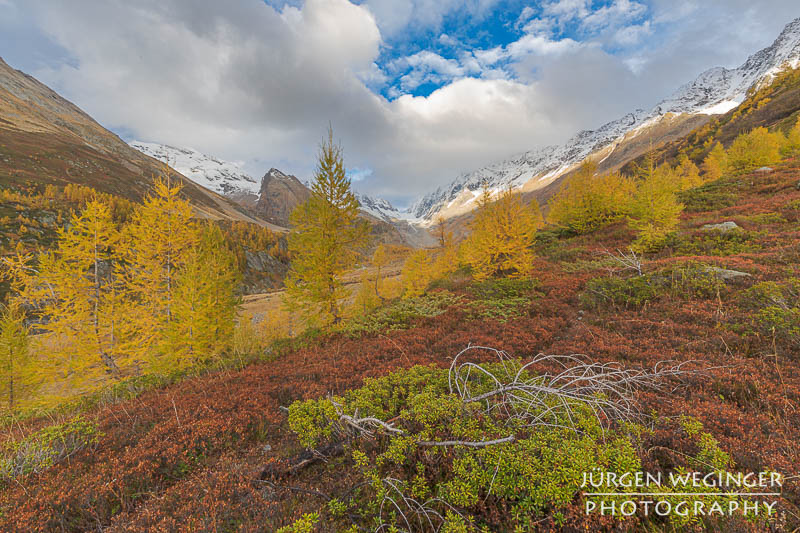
(74, 287)
(654, 211)
(501, 237)
(205, 302)
(157, 242)
(687, 173)
(16, 366)
(587, 201)
(757, 148)
(326, 240)
(416, 274)
(715, 165)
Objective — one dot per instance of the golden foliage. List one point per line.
(417, 273)
(157, 242)
(716, 163)
(156, 295)
(755, 149)
(326, 240)
(502, 236)
(654, 210)
(587, 202)
(17, 371)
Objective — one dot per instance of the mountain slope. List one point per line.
(222, 177)
(714, 92)
(278, 195)
(45, 139)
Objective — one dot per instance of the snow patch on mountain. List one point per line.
(379, 208)
(715, 91)
(223, 177)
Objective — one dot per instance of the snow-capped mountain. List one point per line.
(715, 91)
(220, 176)
(379, 208)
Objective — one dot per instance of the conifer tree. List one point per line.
(687, 173)
(327, 238)
(501, 236)
(157, 242)
(755, 149)
(75, 287)
(792, 145)
(446, 259)
(586, 202)
(654, 211)
(716, 163)
(16, 370)
(416, 274)
(379, 261)
(204, 302)
(91, 242)
(366, 298)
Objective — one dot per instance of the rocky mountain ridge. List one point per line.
(715, 91)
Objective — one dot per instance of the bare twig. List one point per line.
(628, 260)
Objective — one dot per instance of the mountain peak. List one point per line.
(223, 177)
(715, 91)
(278, 195)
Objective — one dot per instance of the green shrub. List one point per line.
(681, 281)
(716, 243)
(709, 197)
(775, 310)
(45, 448)
(504, 486)
(767, 218)
(306, 524)
(400, 313)
(624, 292)
(421, 400)
(501, 299)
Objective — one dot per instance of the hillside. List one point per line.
(47, 140)
(212, 452)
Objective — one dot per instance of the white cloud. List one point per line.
(243, 81)
(395, 16)
(540, 45)
(630, 35)
(615, 14)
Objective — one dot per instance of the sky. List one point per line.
(417, 91)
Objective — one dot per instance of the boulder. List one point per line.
(725, 274)
(723, 227)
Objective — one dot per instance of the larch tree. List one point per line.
(75, 287)
(792, 145)
(446, 260)
(757, 148)
(687, 173)
(327, 239)
(16, 369)
(654, 210)
(501, 237)
(587, 202)
(205, 302)
(380, 259)
(86, 275)
(715, 165)
(156, 246)
(416, 274)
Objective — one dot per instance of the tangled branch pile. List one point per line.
(480, 445)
